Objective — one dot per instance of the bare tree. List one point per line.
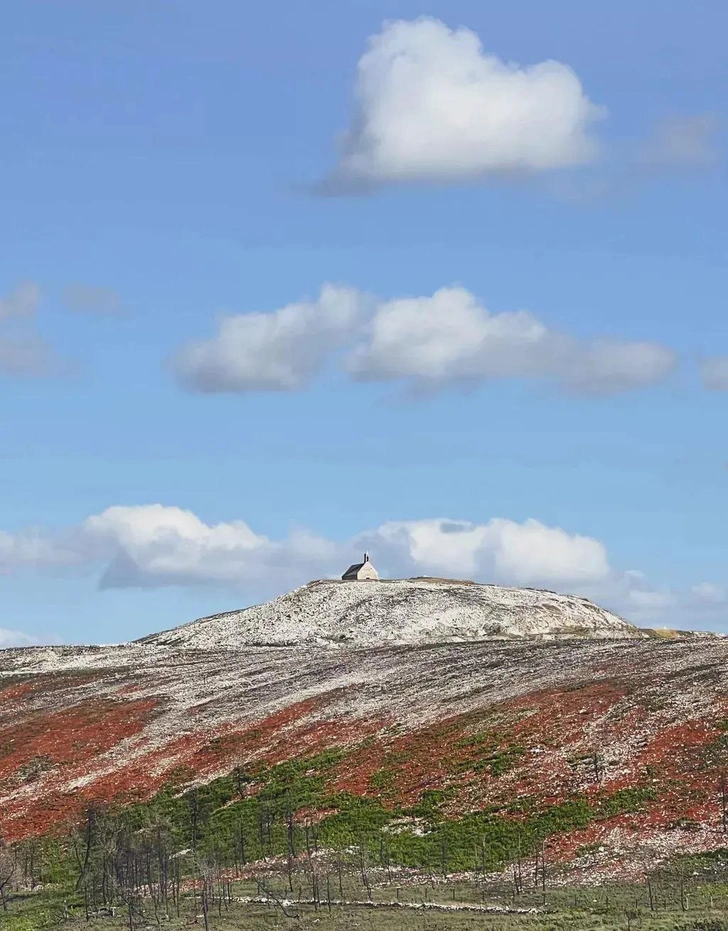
(8, 869)
(265, 890)
(82, 844)
(539, 872)
(291, 852)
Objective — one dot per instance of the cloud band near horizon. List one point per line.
(151, 546)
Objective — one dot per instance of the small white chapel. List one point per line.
(361, 572)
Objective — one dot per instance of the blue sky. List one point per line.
(168, 160)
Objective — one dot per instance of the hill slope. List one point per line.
(492, 723)
(401, 611)
(610, 740)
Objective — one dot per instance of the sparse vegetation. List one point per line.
(336, 894)
(281, 825)
(470, 773)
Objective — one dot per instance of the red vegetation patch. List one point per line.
(554, 715)
(73, 735)
(72, 742)
(67, 743)
(674, 745)
(11, 693)
(133, 688)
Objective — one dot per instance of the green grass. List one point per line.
(258, 813)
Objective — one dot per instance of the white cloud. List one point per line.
(278, 351)
(16, 638)
(431, 105)
(682, 142)
(646, 601)
(710, 594)
(703, 606)
(154, 545)
(93, 299)
(714, 373)
(150, 546)
(426, 342)
(35, 548)
(606, 366)
(450, 337)
(501, 550)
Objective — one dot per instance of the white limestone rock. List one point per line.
(400, 611)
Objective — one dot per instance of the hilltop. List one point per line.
(400, 611)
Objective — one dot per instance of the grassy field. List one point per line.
(423, 905)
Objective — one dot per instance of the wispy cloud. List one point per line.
(714, 373)
(24, 352)
(18, 638)
(93, 299)
(681, 142)
(21, 302)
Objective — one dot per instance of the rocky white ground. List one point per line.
(401, 611)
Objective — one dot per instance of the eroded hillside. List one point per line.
(633, 731)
